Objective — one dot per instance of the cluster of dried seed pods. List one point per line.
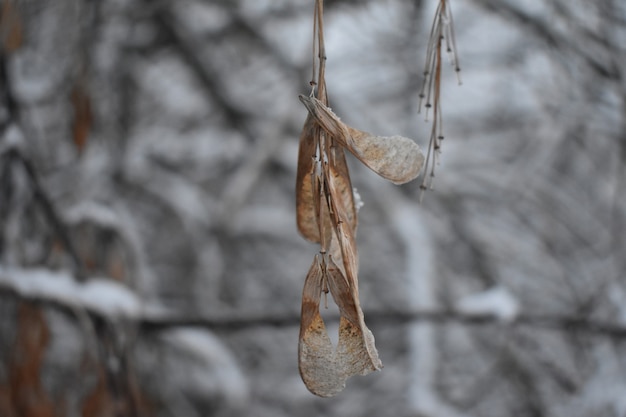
(326, 214)
(441, 39)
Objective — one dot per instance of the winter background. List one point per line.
(149, 259)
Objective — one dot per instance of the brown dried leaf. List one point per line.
(395, 158)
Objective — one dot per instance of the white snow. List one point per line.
(102, 296)
(109, 298)
(13, 138)
(497, 301)
(90, 210)
(214, 363)
(421, 288)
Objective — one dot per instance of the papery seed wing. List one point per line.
(325, 219)
(356, 352)
(344, 253)
(395, 158)
(344, 222)
(306, 190)
(343, 195)
(315, 350)
(311, 294)
(344, 239)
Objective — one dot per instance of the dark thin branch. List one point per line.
(240, 321)
(13, 155)
(8, 100)
(48, 209)
(187, 46)
(377, 318)
(542, 30)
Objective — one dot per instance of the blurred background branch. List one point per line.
(27, 286)
(163, 136)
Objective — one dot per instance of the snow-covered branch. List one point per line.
(110, 300)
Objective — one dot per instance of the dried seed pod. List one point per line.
(324, 368)
(395, 158)
(307, 192)
(340, 187)
(315, 350)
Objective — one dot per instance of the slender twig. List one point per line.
(50, 212)
(375, 318)
(187, 46)
(7, 98)
(541, 29)
(246, 320)
(13, 155)
(441, 31)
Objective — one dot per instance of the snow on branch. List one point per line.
(102, 297)
(111, 300)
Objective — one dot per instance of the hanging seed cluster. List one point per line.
(327, 215)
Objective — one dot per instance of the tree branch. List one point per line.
(23, 285)
(378, 318)
(14, 155)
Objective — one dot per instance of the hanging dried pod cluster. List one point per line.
(441, 36)
(327, 215)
